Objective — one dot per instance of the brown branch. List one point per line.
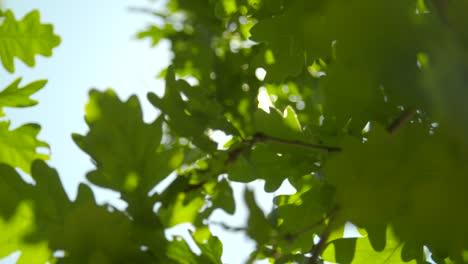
(234, 153)
(260, 137)
(227, 227)
(294, 236)
(398, 123)
(247, 144)
(318, 248)
(441, 7)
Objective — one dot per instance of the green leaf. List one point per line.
(18, 148)
(278, 157)
(340, 64)
(93, 233)
(398, 180)
(123, 145)
(358, 84)
(13, 96)
(191, 118)
(13, 190)
(49, 193)
(272, 163)
(24, 39)
(29, 210)
(302, 218)
(180, 119)
(341, 250)
(287, 48)
(296, 36)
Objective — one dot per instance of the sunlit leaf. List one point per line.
(360, 250)
(13, 236)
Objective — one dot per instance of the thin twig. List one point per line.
(234, 153)
(322, 244)
(404, 118)
(441, 7)
(227, 227)
(259, 137)
(193, 187)
(145, 10)
(294, 236)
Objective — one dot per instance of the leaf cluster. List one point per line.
(367, 121)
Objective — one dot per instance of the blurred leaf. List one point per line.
(399, 180)
(210, 246)
(156, 33)
(224, 198)
(258, 227)
(179, 251)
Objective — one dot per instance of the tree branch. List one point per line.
(147, 11)
(227, 227)
(441, 8)
(260, 137)
(404, 118)
(318, 248)
(294, 236)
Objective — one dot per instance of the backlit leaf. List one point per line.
(18, 147)
(13, 96)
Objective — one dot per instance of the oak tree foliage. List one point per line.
(368, 123)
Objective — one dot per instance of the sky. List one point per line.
(99, 50)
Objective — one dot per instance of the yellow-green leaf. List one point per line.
(25, 39)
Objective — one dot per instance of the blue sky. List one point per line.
(99, 50)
